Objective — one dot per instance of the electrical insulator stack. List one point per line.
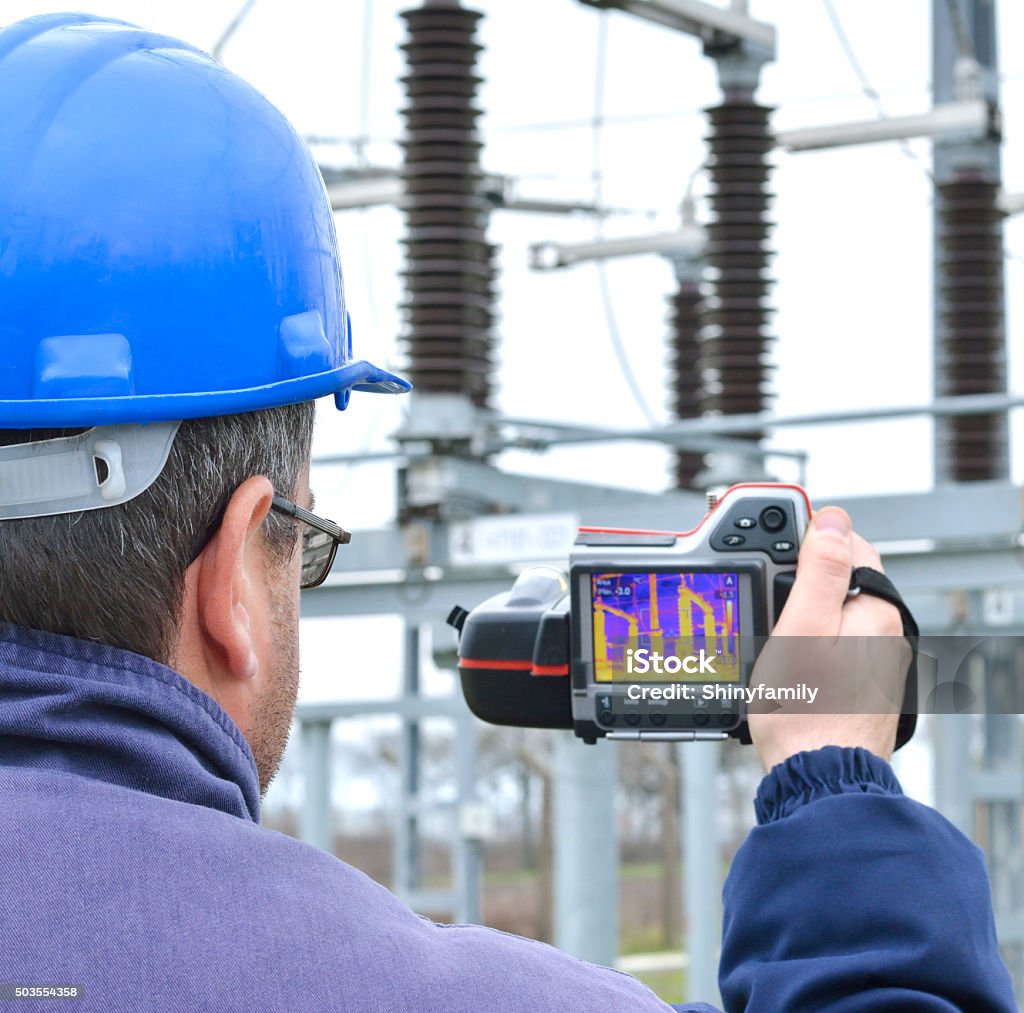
(684, 369)
(449, 271)
(735, 339)
(971, 340)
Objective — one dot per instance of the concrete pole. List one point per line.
(1005, 847)
(468, 857)
(407, 843)
(701, 868)
(951, 736)
(964, 40)
(586, 850)
(315, 824)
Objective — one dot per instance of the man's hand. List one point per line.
(850, 674)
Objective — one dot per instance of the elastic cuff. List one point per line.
(832, 770)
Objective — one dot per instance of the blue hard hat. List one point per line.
(167, 249)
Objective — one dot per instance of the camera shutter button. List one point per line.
(773, 519)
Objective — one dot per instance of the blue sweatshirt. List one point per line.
(132, 863)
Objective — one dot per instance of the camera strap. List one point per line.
(865, 580)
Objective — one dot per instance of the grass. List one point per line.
(669, 986)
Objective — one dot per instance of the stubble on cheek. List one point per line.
(273, 712)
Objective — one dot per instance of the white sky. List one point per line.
(853, 292)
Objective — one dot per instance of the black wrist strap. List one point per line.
(865, 580)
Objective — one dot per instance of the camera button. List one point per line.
(733, 540)
(745, 522)
(632, 718)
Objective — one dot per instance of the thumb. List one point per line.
(822, 577)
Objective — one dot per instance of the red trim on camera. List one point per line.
(721, 500)
(504, 665)
(500, 664)
(550, 670)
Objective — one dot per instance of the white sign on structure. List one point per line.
(511, 538)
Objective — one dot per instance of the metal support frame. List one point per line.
(352, 189)
(538, 434)
(703, 20)
(961, 543)
(316, 825)
(685, 242)
(943, 543)
(959, 121)
(702, 892)
(462, 901)
(970, 346)
(406, 864)
(586, 881)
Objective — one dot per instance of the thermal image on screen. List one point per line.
(673, 615)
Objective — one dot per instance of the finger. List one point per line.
(822, 575)
(871, 615)
(865, 554)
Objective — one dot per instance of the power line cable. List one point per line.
(233, 25)
(344, 475)
(851, 57)
(597, 175)
(866, 86)
(365, 81)
(628, 119)
(597, 119)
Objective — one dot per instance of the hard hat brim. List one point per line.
(47, 413)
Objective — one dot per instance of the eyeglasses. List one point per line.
(320, 541)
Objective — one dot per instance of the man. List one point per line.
(170, 308)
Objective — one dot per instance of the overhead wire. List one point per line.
(365, 68)
(359, 148)
(587, 122)
(597, 176)
(233, 25)
(867, 88)
(963, 45)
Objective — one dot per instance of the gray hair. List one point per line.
(116, 575)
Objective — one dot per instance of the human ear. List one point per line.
(231, 576)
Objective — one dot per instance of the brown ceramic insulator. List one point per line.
(685, 314)
(735, 343)
(971, 350)
(449, 265)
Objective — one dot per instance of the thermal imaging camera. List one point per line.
(649, 635)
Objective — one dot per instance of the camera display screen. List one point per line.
(666, 627)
